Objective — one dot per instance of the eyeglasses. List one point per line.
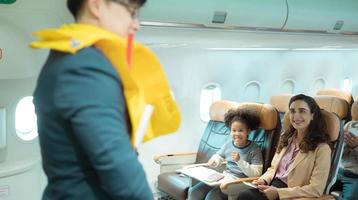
(132, 9)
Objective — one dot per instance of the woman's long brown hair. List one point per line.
(315, 132)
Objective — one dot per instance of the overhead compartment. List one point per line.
(334, 16)
(239, 13)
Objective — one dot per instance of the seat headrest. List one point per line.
(332, 124)
(354, 111)
(337, 93)
(218, 109)
(268, 114)
(280, 101)
(333, 104)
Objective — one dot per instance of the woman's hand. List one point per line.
(259, 182)
(235, 156)
(269, 191)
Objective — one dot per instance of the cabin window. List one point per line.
(347, 85)
(25, 119)
(252, 91)
(209, 94)
(288, 86)
(318, 84)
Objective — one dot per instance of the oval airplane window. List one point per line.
(288, 86)
(252, 91)
(209, 94)
(317, 85)
(25, 119)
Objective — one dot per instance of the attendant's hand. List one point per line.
(235, 156)
(350, 140)
(269, 191)
(259, 182)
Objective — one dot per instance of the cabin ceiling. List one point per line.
(180, 24)
(249, 23)
(287, 24)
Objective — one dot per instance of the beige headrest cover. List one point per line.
(280, 101)
(333, 104)
(332, 124)
(267, 113)
(337, 93)
(219, 108)
(354, 111)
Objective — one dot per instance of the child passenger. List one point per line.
(244, 158)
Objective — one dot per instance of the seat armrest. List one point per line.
(172, 162)
(232, 188)
(226, 185)
(323, 197)
(177, 158)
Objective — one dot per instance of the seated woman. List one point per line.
(243, 157)
(301, 164)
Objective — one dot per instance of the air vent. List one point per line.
(219, 17)
(338, 26)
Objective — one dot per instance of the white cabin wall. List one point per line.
(20, 166)
(14, 91)
(190, 69)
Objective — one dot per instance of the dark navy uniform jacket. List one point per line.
(82, 124)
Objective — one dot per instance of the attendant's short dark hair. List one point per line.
(74, 6)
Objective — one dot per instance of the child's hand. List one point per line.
(213, 163)
(235, 156)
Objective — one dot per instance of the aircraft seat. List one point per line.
(339, 107)
(337, 93)
(354, 111)
(266, 138)
(334, 129)
(335, 105)
(280, 102)
(340, 94)
(214, 136)
(354, 115)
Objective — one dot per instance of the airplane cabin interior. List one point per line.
(216, 55)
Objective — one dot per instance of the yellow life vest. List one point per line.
(144, 81)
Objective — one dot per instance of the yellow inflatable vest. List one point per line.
(144, 81)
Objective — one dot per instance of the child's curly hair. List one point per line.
(246, 116)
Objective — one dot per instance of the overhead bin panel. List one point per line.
(179, 11)
(256, 13)
(245, 13)
(323, 15)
